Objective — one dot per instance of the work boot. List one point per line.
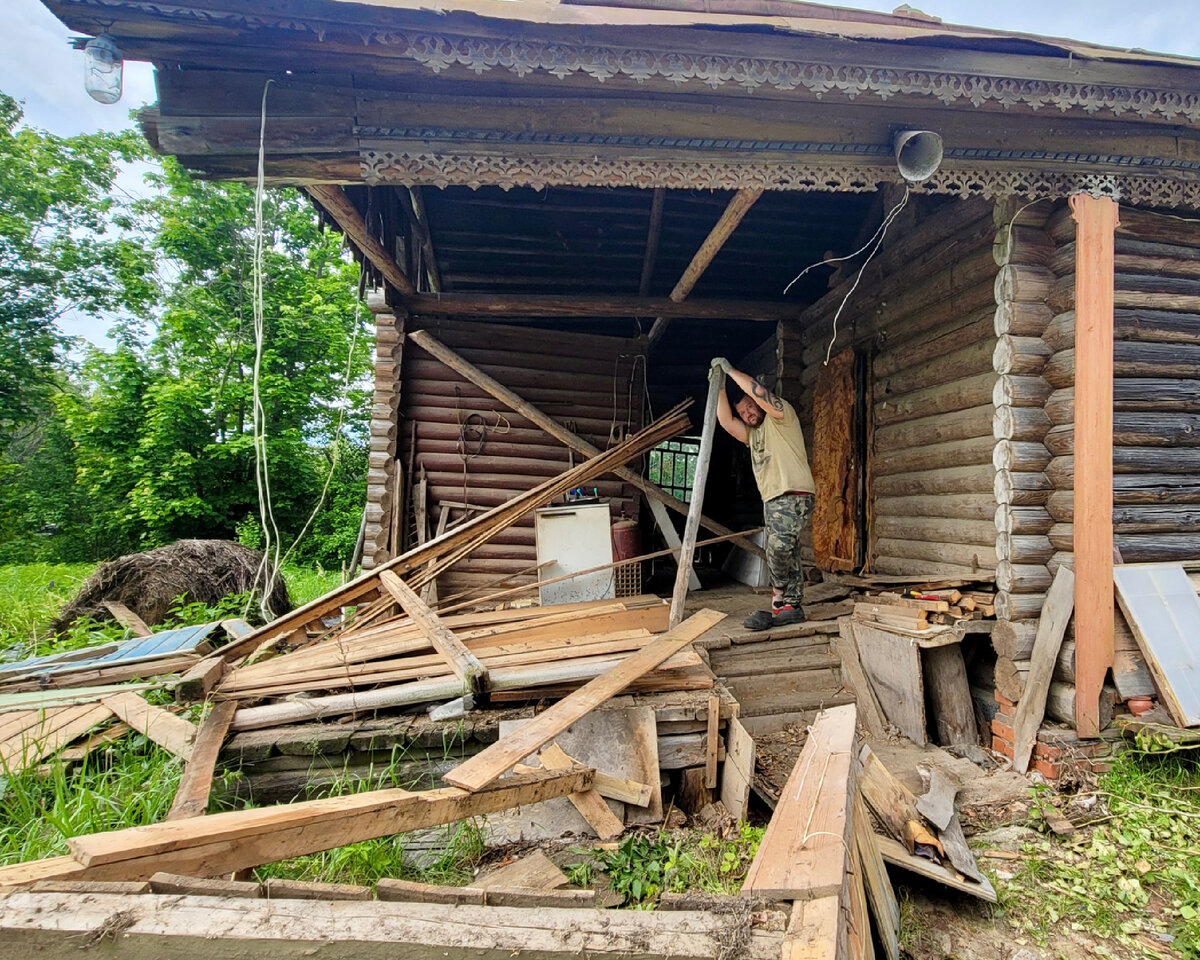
(759, 620)
(787, 614)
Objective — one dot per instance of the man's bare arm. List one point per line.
(771, 405)
(728, 419)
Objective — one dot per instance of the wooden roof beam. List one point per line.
(333, 198)
(738, 207)
(418, 217)
(652, 234)
(555, 305)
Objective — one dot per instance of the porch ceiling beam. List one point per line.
(550, 305)
(652, 234)
(419, 218)
(738, 207)
(333, 198)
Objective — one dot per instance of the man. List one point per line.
(769, 426)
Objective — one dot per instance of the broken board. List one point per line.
(1163, 611)
(892, 664)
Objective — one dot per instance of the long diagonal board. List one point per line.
(1052, 625)
(803, 854)
(486, 766)
(1163, 611)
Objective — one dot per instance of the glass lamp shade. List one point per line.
(103, 70)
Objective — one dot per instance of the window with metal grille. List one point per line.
(673, 466)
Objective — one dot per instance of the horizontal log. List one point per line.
(1014, 391)
(1133, 291)
(1022, 520)
(542, 305)
(1022, 577)
(908, 567)
(1060, 704)
(935, 529)
(1137, 256)
(1062, 536)
(1027, 283)
(1028, 548)
(1021, 489)
(1062, 558)
(935, 401)
(1019, 456)
(956, 453)
(1158, 547)
(1019, 423)
(1064, 666)
(1021, 319)
(969, 360)
(971, 556)
(963, 506)
(978, 478)
(1145, 326)
(1013, 639)
(1010, 677)
(1140, 518)
(1019, 606)
(913, 349)
(1022, 244)
(961, 425)
(1021, 356)
(1131, 460)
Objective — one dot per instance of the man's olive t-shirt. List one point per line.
(778, 455)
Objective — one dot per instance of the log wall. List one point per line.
(924, 312)
(574, 378)
(383, 479)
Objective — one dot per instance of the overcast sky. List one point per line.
(41, 70)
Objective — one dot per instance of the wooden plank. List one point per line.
(878, 886)
(948, 693)
(223, 842)
(738, 773)
(127, 618)
(78, 751)
(710, 743)
(333, 198)
(815, 929)
(889, 799)
(1096, 220)
(1160, 604)
(892, 663)
(845, 645)
(200, 679)
(589, 803)
(191, 798)
(802, 855)
(1052, 625)
(56, 728)
(894, 853)
(463, 662)
(534, 871)
(165, 926)
(164, 882)
(489, 764)
(859, 944)
(278, 889)
(167, 730)
(408, 891)
(670, 535)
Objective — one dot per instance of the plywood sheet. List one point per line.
(1163, 611)
(892, 664)
(835, 466)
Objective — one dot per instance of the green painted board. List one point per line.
(1163, 611)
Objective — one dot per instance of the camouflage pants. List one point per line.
(785, 519)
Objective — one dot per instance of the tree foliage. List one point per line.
(153, 440)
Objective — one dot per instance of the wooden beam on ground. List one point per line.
(527, 306)
(738, 207)
(55, 925)
(47, 733)
(483, 768)
(191, 797)
(589, 803)
(219, 843)
(463, 662)
(333, 198)
(804, 853)
(200, 678)
(435, 348)
(1096, 221)
(889, 799)
(691, 528)
(875, 880)
(1052, 625)
(127, 618)
(653, 231)
(164, 728)
(815, 929)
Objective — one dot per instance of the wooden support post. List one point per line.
(1096, 221)
(738, 207)
(652, 233)
(333, 198)
(692, 527)
(435, 348)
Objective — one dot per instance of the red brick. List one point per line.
(1048, 769)
(1099, 766)
(1002, 747)
(1047, 751)
(1005, 702)
(1003, 730)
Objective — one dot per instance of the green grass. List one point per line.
(1132, 879)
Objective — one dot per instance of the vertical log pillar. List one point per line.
(383, 476)
(1096, 221)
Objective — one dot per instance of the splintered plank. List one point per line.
(489, 764)
(191, 798)
(53, 731)
(894, 853)
(463, 662)
(223, 842)
(164, 728)
(814, 930)
(889, 799)
(802, 856)
(1052, 625)
(1160, 604)
(127, 618)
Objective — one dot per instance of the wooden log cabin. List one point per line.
(588, 199)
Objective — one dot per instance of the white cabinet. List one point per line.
(576, 536)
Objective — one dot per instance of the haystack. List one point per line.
(149, 583)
